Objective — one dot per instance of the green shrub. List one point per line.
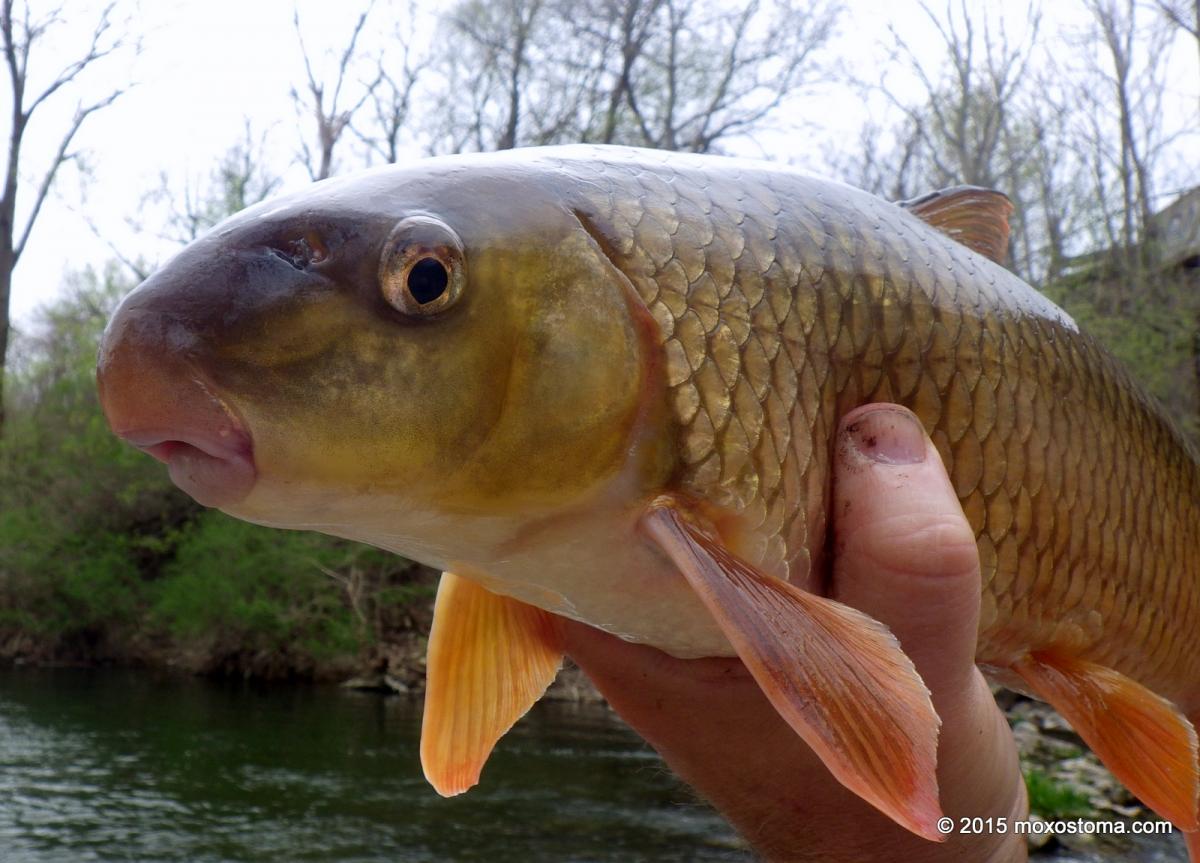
(1053, 799)
(102, 557)
(252, 588)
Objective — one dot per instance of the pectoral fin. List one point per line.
(835, 675)
(490, 659)
(1147, 744)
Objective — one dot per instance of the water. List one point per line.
(122, 766)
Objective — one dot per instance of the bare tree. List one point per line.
(1178, 13)
(960, 123)
(974, 120)
(400, 67)
(883, 161)
(1123, 89)
(709, 72)
(240, 178)
(1050, 180)
(21, 32)
(672, 74)
(181, 209)
(323, 100)
(494, 47)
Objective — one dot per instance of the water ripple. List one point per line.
(125, 767)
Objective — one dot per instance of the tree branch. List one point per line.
(72, 70)
(60, 157)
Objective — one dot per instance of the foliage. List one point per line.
(101, 557)
(1152, 331)
(236, 587)
(233, 588)
(74, 502)
(1053, 799)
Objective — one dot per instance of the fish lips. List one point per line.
(170, 412)
(217, 470)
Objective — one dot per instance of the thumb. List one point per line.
(904, 552)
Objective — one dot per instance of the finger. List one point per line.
(904, 552)
(644, 680)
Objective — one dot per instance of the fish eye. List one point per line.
(422, 268)
(427, 280)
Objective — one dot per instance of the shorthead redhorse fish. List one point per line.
(603, 384)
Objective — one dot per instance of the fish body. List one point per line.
(631, 357)
(783, 301)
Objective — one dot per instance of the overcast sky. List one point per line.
(207, 65)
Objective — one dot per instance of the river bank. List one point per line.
(228, 601)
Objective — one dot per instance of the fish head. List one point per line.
(395, 357)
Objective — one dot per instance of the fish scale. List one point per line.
(620, 407)
(1082, 496)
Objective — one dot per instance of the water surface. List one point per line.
(132, 766)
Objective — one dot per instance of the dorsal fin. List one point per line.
(972, 215)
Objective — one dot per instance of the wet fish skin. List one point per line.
(633, 405)
(784, 301)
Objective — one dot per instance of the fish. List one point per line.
(603, 384)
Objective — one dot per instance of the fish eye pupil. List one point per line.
(427, 280)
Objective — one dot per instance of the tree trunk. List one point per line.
(6, 268)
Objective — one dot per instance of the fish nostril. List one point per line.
(302, 252)
(291, 259)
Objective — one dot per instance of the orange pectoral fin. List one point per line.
(1147, 744)
(835, 675)
(490, 659)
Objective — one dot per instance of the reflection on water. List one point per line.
(135, 767)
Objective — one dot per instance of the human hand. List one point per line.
(904, 554)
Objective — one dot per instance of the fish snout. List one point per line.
(155, 397)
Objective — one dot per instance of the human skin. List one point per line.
(903, 553)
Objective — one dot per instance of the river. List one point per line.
(156, 768)
(137, 766)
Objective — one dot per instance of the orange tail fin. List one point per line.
(1141, 737)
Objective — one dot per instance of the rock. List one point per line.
(1132, 812)
(573, 685)
(1038, 838)
(376, 682)
(395, 684)
(1077, 840)
(1027, 736)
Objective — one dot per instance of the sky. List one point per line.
(207, 65)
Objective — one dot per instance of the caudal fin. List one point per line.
(1141, 737)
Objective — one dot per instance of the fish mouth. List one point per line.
(159, 402)
(216, 467)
